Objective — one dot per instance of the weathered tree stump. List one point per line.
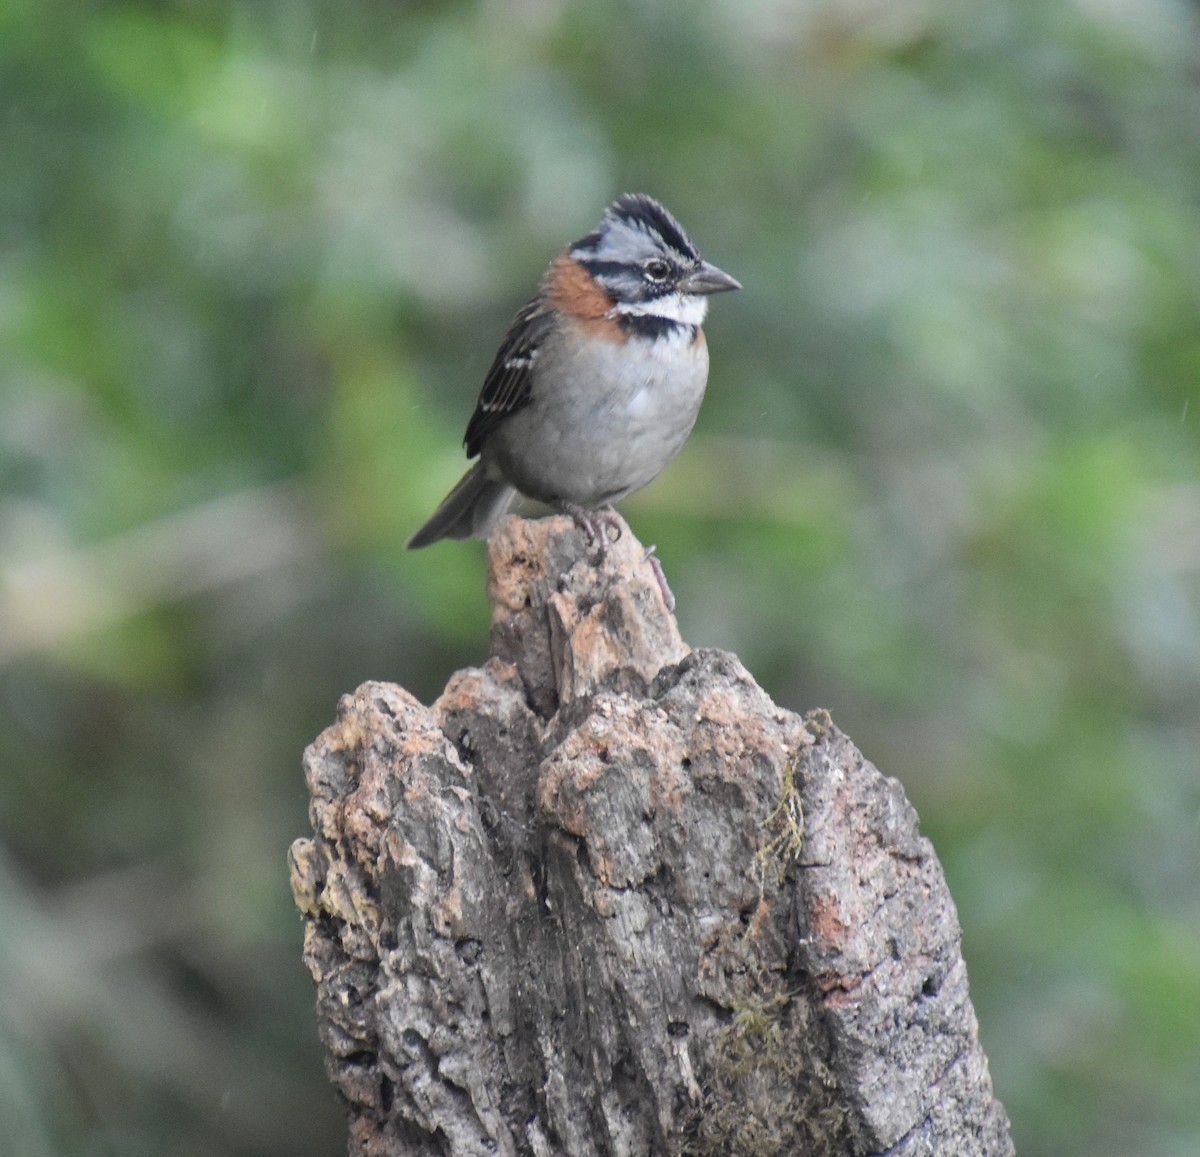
(605, 897)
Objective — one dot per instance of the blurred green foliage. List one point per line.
(254, 259)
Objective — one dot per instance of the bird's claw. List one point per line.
(660, 577)
(596, 524)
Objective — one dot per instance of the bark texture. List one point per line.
(605, 897)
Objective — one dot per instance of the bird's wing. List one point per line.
(507, 385)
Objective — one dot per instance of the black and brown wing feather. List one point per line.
(507, 385)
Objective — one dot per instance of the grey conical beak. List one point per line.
(706, 278)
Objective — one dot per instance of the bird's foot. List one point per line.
(595, 524)
(660, 577)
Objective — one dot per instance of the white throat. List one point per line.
(684, 308)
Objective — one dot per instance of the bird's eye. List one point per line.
(657, 269)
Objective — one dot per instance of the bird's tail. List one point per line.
(470, 510)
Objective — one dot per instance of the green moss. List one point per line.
(770, 1091)
(786, 827)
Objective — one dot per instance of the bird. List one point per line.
(597, 383)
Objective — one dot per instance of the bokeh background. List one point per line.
(255, 258)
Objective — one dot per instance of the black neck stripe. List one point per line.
(651, 325)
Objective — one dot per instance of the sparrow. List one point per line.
(597, 382)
